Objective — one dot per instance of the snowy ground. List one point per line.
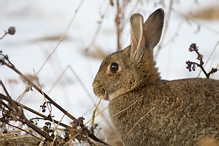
(37, 22)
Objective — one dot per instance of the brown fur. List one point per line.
(148, 111)
(184, 110)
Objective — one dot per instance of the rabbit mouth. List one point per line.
(100, 92)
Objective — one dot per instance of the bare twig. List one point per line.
(97, 115)
(11, 31)
(24, 131)
(118, 24)
(131, 12)
(21, 117)
(94, 112)
(38, 89)
(47, 105)
(190, 19)
(192, 65)
(24, 120)
(62, 37)
(166, 27)
(98, 29)
(5, 90)
(68, 67)
(210, 56)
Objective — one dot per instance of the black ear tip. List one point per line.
(160, 11)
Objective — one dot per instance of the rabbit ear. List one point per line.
(145, 36)
(137, 35)
(153, 28)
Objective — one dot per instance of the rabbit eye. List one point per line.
(114, 67)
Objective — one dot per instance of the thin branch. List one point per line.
(11, 31)
(98, 29)
(38, 89)
(94, 112)
(84, 128)
(19, 113)
(25, 131)
(46, 104)
(118, 24)
(62, 37)
(5, 90)
(192, 65)
(131, 12)
(97, 114)
(209, 56)
(166, 27)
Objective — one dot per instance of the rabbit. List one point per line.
(149, 111)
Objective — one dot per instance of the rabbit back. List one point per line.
(179, 112)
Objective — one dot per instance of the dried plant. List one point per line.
(11, 31)
(13, 112)
(191, 66)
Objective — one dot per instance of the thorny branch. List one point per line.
(192, 65)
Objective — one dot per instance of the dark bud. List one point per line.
(95, 126)
(48, 123)
(5, 131)
(50, 118)
(213, 70)
(200, 57)
(11, 30)
(193, 67)
(190, 69)
(192, 47)
(189, 65)
(52, 135)
(45, 128)
(111, 3)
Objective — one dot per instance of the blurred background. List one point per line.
(65, 41)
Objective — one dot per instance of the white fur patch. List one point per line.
(116, 93)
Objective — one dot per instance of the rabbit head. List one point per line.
(134, 66)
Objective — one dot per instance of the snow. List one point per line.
(28, 48)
